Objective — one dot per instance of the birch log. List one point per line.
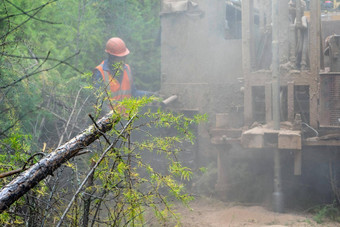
(46, 166)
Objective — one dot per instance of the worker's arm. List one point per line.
(304, 22)
(97, 79)
(140, 93)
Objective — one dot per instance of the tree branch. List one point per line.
(18, 14)
(43, 70)
(93, 169)
(46, 166)
(18, 26)
(57, 116)
(39, 58)
(70, 117)
(10, 173)
(32, 17)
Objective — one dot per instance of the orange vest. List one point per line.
(119, 91)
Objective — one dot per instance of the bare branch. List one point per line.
(46, 166)
(43, 70)
(35, 13)
(10, 173)
(32, 17)
(95, 124)
(93, 169)
(76, 118)
(18, 14)
(70, 117)
(39, 58)
(59, 117)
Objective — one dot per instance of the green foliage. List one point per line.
(43, 103)
(205, 181)
(127, 183)
(58, 30)
(326, 212)
(139, 27)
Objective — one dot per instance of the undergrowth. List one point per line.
(327, 212)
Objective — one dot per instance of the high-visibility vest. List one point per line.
(119, 91)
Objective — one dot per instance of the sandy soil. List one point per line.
(211, 213)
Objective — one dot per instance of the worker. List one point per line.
(301, 33)
(115, 74)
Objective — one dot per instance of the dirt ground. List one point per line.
(208, 212)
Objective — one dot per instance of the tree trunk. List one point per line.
(87, 197)
(46, 166)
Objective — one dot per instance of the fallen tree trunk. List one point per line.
(46, 166)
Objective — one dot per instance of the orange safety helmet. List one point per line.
(116, 46)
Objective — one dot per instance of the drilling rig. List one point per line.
(263, 73)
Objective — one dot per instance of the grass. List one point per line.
(326, 212)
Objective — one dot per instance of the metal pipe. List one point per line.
(298, 21)
(278, 203)
(169, 100)
(275, 65)
(277, 194)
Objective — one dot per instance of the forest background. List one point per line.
(36, 34)
(48, 50)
